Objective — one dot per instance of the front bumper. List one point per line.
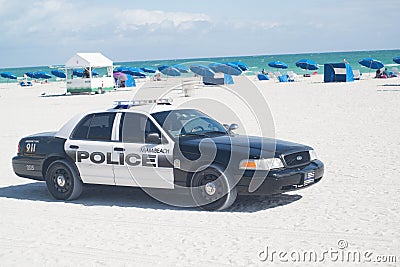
(279, 181)
(28, 167)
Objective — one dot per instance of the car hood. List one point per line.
(252, 143)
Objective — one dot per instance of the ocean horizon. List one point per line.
(255, 63)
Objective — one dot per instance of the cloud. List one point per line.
(156, 19)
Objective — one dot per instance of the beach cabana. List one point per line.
(338, 72)
(88, 83)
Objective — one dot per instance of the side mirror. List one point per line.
(233, 127)
(153, 138)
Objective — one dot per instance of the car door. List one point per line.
(91, 146)
(147, 154)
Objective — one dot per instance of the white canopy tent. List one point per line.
(91, 60)
(87, 83)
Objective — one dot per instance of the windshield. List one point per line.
(188, 122)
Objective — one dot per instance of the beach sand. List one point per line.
(354, 127)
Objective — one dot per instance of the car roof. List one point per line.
(66, 129)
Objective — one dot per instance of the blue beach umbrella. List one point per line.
(78, 72)
(131, 71)
(397, 59)
(31, 74)
(241, 65)
(278, 65)
(182, 68)
(148, 70)
(170, 71)
(227, 68)
(59, 73)
(8, 75)
(307, 64)
(202, 70)
(162, 67)
(42, 75)
(371, 63)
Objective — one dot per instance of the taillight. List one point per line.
(19, 148)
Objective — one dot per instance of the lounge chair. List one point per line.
(262, 77)
(293, 77)
(396, 71)
(25, 83)
(277, 74)
(356, 74)
(283, 78)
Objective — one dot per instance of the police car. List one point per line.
(162, 147)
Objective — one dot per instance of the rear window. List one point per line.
(95, 127)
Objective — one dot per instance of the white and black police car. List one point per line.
(165, 148)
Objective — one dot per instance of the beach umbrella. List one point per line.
(132, 71)
(170, 71)
(58, 73)
(397, 59)
(202, 70)
(162, 67)
(307, 64)
(278, 65)
(31, 74)
(120, 76)
(8, 75)
(227, 68)
(182, 68)
(371, 63)
(42, 75)
(148, 70)
(241, 65)
(78, 72)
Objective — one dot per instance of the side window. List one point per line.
(136, 127)
(95, 127)
(82, 129)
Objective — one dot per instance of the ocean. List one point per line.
(255, 63)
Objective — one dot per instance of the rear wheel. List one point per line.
(63, 181)
(212, 190)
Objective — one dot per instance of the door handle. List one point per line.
(119, 149)
(73, 147)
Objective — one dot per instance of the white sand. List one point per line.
(354, 127)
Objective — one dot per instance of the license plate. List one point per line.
(309, 177)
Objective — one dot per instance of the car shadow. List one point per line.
(102, 195)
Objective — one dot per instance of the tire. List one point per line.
(99, 91)
(63, 181)
(212, 190)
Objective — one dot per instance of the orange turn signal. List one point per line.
(248, 165)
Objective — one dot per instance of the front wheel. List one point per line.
(212, 190)
(63, 181)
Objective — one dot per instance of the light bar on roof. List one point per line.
(126, 104)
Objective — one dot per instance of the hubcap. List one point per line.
(61, 180)
(210, 188)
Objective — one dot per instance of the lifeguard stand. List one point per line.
(83, 81)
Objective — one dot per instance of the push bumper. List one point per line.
(28, 167)
(280, 181)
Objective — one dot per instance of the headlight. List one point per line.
(261, 164)
(313, 155)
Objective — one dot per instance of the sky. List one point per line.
(47, 32)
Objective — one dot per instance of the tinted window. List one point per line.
(82, 129)
(184, 121)
(136, 127)
(96, 127)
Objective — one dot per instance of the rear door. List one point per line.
(91, 146)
